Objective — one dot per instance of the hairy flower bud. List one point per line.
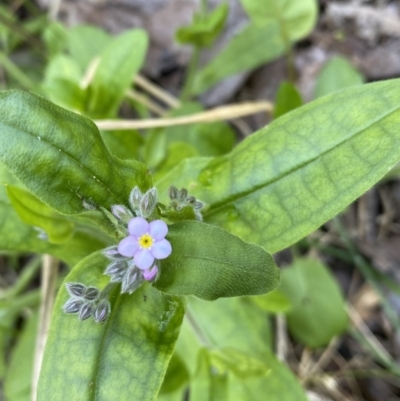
(122, 213)
(91, 293)
(75, 289)
(102, 311)
(86, 311)
(73, 305)
(135, 198)
(148, 202)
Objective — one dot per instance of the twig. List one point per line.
(281, 337)
(138, 97)
(218, 114)
(89, 74)
(54, 8)
(48, 289)
(156, 91)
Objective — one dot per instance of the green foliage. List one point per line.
(223, 266)
(35, 213)
(318, 311)
(274, 199)
(118, 64)
(253, 46)
(86, 171)
(275, 302)
(204, 29)
(337, 74)
(287, 99)
(86, 361)
(296, 18)
(17, 383)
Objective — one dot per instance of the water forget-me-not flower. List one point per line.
(146, 242)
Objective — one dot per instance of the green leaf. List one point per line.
(274, 302)
(176, 375)
(318, 313)
(55, 36)
(17, 383)
(337, 74)
(210, 263)
(237, 323)
(287, 99)
(35, 213)
(17, 236)
(285, 181)
(208, 385)
(124, 144)
(85, 42)
(127, 355)
(204, 29)
(62, 67)
(252, 47)
(119, 63)
(296, 18)
(60, 156)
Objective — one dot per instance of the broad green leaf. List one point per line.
(287, 99)
(296, 18)
(127, 355)
(17, 383)
(236, 323)
(176, 376)
(318, 310)
(253, 46)
(154, 150)
(35, 213)
(60, 156)
(204, 29)
(275, 301)
(62, 67)
(17, 236)
(119, 63)
(177, 151)
(124, 144)
(337, 74)
(213, 139)
(85, 42)
(289, 178)
(208, 384)
(210, 263)
(55, 36)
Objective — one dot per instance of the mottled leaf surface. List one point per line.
(210, 263)
(286, 180)
(128, 355)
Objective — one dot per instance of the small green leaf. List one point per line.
(60, 156)
(119, 63)
(305, 167)
(126, 355)
(287, 99)
(124, 144)
(296, 18)
(210, 263)
(35, 213)
(318, 313)
(253, 46)
(274, 302)
(204, 30)
(17, 383)
(176, 375)
(85, 42)
(55, 36)
(337, 74)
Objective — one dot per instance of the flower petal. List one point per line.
(138, 226)
(128, 246)
(161, 249)
(143, 259)
(158, 229)
(150, 274)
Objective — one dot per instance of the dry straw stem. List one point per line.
(218, 114)
(48, 290)
(145, 101)
(156, 91)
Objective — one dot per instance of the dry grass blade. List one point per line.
(218, 114)
(142, 99)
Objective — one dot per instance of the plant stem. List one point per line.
(190, 74)
(16, 72)
(106, 290)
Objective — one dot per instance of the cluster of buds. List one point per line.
(180, 198)
(86, 302)
(134, 260)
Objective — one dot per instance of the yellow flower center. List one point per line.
(145, 241)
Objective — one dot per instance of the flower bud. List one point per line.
(116, 270)
(150, 274)
(102, 311)
(182, 194)
(148, 202)
(173, 192)
(135, 198)
(91, 293)
(132, 280)
(73, 305)
(85, 312)
(75, 289)
(122, 213)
